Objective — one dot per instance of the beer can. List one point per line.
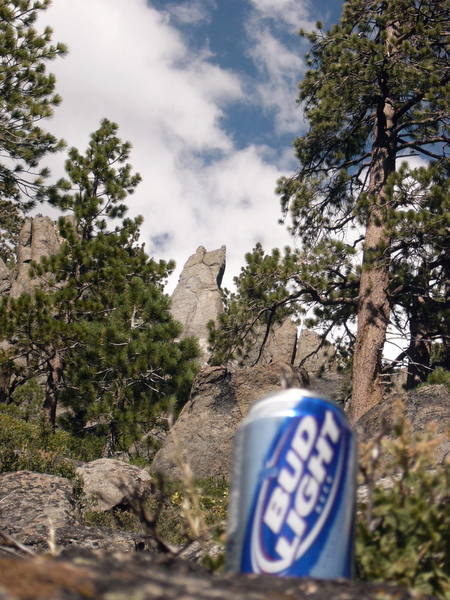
(292, 501)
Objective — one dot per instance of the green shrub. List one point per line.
(439, 375)
(189, 511)
(168, 508)
(33, 446)
(403, 533)
(118, 518)
(27, 401)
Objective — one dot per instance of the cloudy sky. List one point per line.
(205, 90)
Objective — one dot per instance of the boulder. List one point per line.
(33, 503)
(423, 406)
(38, 510)
(110, 482)
(204, 432)
(137, 575)
(39, 237)
(196, 300)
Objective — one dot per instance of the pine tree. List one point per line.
(27, 96)
(420, 268)
(100, 332)
(320, 280)
(376, 92)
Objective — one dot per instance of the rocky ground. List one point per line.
(82, 575)
(47, 553)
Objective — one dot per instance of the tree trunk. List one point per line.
(5, 377)
(419, 353)
(51, 390)
(373, 305)
(373, 317)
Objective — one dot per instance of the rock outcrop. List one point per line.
(38, 238)
(280, 346)
(423, 406)
(38, 510)
(32, 503)
(5, 278)
(196, 299)
(316, 359)
(221, 397)
(204, 432)
(109, 482)
(314, 356)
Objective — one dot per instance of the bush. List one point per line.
(33, 446)
(439, 375)
(27, 401)
(403, 532)
(117, 518)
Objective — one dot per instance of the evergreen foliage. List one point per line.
(99, 330)
(274, 286)
(27, 96)
(33, 447)
(374, 231)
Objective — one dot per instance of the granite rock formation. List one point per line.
(196, 299)
(423, 406)
(38, 238)
(315, 359)
(204, 432)
(111, 482)
(280, 346)
(314, 356)
(331, 384)
(318, 360)
(37, 509)
(5, 278)
(31, 503)
(220, 399)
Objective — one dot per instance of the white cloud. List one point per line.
(191, 12)
(230, 202)
(277, 54)
(293, 13)
(280, 70)
(128, 64)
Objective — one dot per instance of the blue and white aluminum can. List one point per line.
(293, 491)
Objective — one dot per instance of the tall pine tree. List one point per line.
(100, 332)
(28, 96)
(377, 92)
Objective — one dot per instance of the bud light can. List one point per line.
(293, 491)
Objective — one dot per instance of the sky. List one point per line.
(205, 91)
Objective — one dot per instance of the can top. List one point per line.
(281, 403)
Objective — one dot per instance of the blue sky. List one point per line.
(205, 90)
(229, 31)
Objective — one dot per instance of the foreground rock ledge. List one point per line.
(137, 576)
